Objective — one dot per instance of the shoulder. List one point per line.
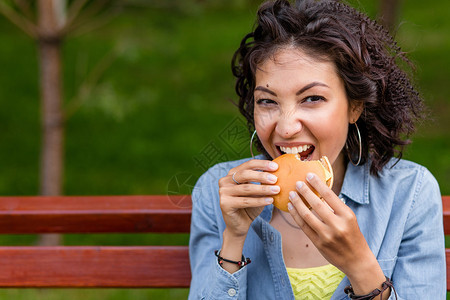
(406, 179)
(399, 165)
(402, 171)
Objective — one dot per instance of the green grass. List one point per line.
(163, 101)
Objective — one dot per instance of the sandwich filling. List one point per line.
(326, 167)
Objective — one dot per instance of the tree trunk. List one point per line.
(52, 119)
(389, 13)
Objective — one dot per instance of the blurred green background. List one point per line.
(162, 109)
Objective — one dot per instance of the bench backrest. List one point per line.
(94, 266)
(103, 266)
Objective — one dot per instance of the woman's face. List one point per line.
(301, 107)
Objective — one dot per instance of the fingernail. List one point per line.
(269, 200)
(299, 184)
(292, 195)
(310, 176)
(273, 165)
(275, 188)
(290, 207)
(272, 178)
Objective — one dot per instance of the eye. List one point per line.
(265, 102)
(313, 99)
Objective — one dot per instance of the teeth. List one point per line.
(295, 150)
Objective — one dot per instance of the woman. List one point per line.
(319, 78)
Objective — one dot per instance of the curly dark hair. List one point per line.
(366, 57)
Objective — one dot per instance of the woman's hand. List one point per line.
(241, 200)
(336, 234)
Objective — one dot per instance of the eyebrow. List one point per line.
(263, 89)
(302, 90)
(310, 85)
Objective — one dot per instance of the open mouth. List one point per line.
(304, 151)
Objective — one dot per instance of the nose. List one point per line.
(288, 125)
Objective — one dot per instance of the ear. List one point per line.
(355, 110)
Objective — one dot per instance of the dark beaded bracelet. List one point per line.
(384, 286)
(241, 263)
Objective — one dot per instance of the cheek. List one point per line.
(338, 137)
(264, 125)
(333, 132)
(264, 121)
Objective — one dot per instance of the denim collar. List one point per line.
(356, 183)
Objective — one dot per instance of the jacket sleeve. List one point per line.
(420, 270)
(209, 279)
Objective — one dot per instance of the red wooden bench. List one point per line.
(94, 266)
(103, 266)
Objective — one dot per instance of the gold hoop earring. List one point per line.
(360, 148)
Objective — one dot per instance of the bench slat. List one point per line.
(88, 266)
(447, 258)
(83, 214)
(446, 209)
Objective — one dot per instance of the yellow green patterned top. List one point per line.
(315, 283)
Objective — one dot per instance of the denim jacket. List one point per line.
(399, 214)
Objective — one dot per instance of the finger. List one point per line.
(310, 233)
(326, 193)
(246, 176)
(250, 190)
(255, 164)
(245, 202)
(318, 205)
(304, 213)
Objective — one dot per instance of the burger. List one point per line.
(292, 169)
